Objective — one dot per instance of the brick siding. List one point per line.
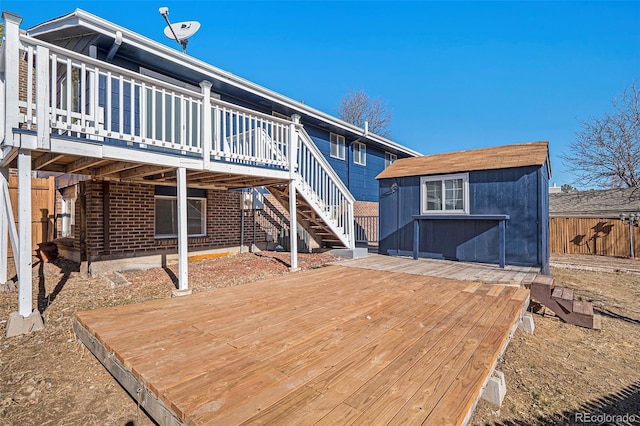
(132, 222)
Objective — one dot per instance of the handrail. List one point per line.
(325, 164)
(220, 102)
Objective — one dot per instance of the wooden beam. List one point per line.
(142, 171)
(115, 167)
(83, 163)
(45, 160)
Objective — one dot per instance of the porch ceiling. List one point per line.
(135, 171)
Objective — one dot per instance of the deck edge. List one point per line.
(146, 399)
(503, 349)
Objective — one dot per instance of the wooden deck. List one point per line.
(483, 272)
(333, 345)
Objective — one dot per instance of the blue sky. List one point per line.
(456, 75)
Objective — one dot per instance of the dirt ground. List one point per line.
(48, 378)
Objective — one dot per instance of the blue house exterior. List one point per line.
(507, 185)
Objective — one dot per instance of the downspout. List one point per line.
(115, 46)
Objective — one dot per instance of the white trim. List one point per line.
(389, 158)
(361, 149)
(338, 144)
(442, 178)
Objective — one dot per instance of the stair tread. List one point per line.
(582, 307)
(545, 280)
(562, 293)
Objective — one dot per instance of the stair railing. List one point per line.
(320, 186)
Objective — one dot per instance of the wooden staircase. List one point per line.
(561, 301)
(308, 218)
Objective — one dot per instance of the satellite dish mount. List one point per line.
(180, 31)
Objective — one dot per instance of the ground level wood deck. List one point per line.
(335, 345)
(484, 272)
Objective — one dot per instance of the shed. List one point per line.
(488, 205)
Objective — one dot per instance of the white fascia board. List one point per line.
(100, 25)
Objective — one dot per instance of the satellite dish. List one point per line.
(181, 30)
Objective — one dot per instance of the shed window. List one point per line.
(166, 216)
(445, 194)
(337, 146)
(389, 159)
(360, 153)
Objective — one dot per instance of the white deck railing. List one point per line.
(90, 99)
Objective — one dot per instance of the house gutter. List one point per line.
(103, 26)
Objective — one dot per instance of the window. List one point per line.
(67, 213)
(445, 194)
(337, 146)
(166, 213)
(360, 153)
(389, 159)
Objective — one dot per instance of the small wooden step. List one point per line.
(546, 280)
(581, 307)
(564, 296)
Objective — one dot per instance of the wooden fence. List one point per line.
(587, 235)
(42, 208)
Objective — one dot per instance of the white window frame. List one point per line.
(170, 197)
(389, 158)
(360, 153)
(340, 146)
(442, 178)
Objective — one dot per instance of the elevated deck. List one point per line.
(336, 344)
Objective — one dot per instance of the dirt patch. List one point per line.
(48, 378)
(565, 370)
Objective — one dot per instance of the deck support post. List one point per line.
(293, 210)
(183, 271)
(4, 225)
(206, 131)
(11, 73)
(26, 319)
(25, 304)
(502, 243)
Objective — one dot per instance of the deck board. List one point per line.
(340, 343)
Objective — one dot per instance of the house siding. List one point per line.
(514, 191)
(131, 222)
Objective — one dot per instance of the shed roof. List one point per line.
(499, 157)
(595, 203)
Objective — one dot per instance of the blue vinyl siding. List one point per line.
(518, 192)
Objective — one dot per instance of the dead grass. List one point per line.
(563, 370)
(49, 378)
